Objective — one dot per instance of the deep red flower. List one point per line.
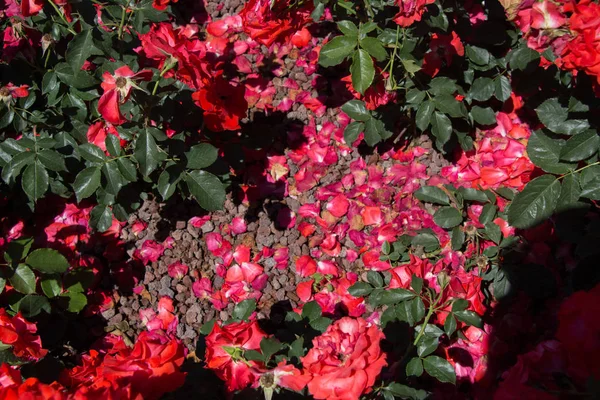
(21, 336)
(223, 104)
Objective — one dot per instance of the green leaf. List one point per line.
(201, 156)
(48, 261)
(425, 239)
(244, 309)
(336, 50)
(33, 304)
(207, 189)
(92, 153)
(113, 180)
(80, 48)
(168, 180)
(447, 104)
(524, 57)
(450, 325)
(424, 113)
(373, 130)
(483, 116)
(75, 301)
(482, 89)
(360, 289)
(352, 131)
(207, 328)
(569, 193)
(503, 88)
(52, 160)
(427, 345)
(269, 346)
(51, 285)
(544, 152)
(458, 238)
(357, 110)
(416, 283)
(101, 217)
(442, 85)
(14, 167)
(590, 183)
(348, 28)
(432, 194)
(362, 71)
(146, 152)
(374, 47)
(471, 194)
(488, 213)
(410, 66)
(113, 145)
(406, 392)
(86, 183)
(49, 82)
(127, 169)
(459, 305)
(23, 279)
(493, 232)
(447, 217)
(17, 249)
(551, 113)
(375, 278)
(469, 317)
(441, 127)
(478, 55)
(414, 367)
(440, 369)
(535, 203)
(35, 181)
(580, 147)
(320, 324)
(311, 311)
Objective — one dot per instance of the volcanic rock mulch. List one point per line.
(189, 247)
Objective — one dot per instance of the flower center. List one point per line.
(121, 82)
(267, 380)
(4, 92)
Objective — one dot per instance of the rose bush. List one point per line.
(426, 174)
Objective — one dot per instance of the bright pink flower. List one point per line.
(546, 15)
(338, 206)
(178, 270)
(238, 225)
(202, 288)
(149, 252)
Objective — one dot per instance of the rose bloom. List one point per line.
(410, 11)
(225, 348)
(345, 360)
(579, 332)
(20, 334)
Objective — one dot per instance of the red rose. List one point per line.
(345, 360)
(225, 348)
(20, 334)
(579, 332)
(410, 11)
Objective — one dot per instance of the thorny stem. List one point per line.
(426, 321)
(120, 32)
(62, 16)
(166, 68)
